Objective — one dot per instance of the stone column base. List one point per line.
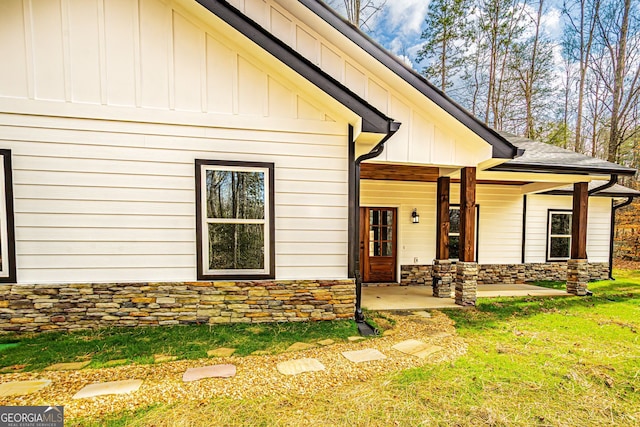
(442, 278)
(577, 276)
(466, 283)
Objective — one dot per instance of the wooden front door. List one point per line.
(378, 244)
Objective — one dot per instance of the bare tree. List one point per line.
(358, 12)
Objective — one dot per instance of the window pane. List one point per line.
(374, 218)
(454, 218)
(387, 233)
(454, 247)
(387, 217)
(236, 246)
(560, 223)
(233, 194)
(387, 249)
(559, 247)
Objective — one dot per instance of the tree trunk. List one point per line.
(618, 85)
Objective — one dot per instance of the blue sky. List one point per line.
(399, 25)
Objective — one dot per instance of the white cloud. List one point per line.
(405, 16)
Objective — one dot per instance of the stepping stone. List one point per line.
(215, 371)
(416, 348)
(221, 352)
(422, 313)
(113, 387)
(71, 366)
(356, 339)
(13, 368)
(326, 342)
(366, 355)
(115, 362)
(21, 388)
(300, 346)
(159, 358)
(439, 335)
(295, 367)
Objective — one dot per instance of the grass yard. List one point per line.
(138, 345)
(566, 361)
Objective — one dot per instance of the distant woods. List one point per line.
(579, 89)
(566, 72)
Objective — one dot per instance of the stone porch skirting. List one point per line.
(420, 275)
(27, 308)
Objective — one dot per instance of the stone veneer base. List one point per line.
(27, 308)
(421, 275)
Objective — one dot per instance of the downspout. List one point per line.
(375, 152)
(614, 208)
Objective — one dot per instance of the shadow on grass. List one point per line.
(490, 312)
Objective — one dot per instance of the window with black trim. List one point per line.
(235, 219)
(7, 235)
(559, 235)
(454, 231)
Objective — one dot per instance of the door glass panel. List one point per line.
(387, 249)
(387, 233)
(374, 218)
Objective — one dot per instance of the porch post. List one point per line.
(577, 266)
(442, 273)
(467, 268)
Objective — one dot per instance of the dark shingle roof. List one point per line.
(541, 157)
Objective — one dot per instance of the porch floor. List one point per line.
(421, 297)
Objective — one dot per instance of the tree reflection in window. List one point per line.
(236, 219)
(559, 235)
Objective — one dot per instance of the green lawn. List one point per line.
(565, 361)
(140, 344)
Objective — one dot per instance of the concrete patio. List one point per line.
(421, 297)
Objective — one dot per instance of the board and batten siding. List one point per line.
(107, 104)
(500, 225)
(598, 226)
(148, 54)
(428, 135)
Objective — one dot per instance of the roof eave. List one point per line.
(501, 148)
(561, 169)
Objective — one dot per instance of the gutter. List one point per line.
(614, 208)
(375, 152)
(612, 181)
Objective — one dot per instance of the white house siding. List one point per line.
(500, 224)
(106, 105)
(598, 226)
(428, 135)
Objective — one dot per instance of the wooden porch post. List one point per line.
(579, 220)
(442, 216)
(577, 266)
(442, 272)
(467, 269)
(467, 214)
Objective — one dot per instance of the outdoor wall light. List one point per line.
(415, 218)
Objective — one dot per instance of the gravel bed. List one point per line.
(256, 377)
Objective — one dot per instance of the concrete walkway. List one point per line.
(421, 297)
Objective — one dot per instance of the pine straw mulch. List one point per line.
(256, 376)
(626, 265)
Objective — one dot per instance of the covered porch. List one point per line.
(421, 297)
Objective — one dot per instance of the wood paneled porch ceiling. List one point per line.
(394, 172)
